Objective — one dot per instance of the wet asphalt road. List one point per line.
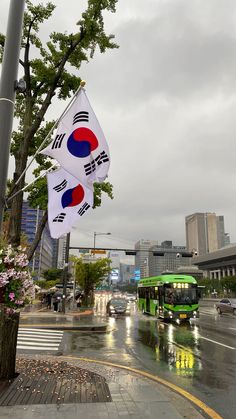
(199, 357)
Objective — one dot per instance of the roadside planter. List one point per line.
(16, 291)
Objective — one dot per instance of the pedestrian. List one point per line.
(55, 302)
(49, 301)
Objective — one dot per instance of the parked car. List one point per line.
(118, 306)
(226, 305)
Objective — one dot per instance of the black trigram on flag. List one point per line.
(84, 208)
(61, 186)
(91, 167)
(58, 140)
(82, 116)
(59, 218)
(101, 158)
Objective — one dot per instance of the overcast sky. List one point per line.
(166, 100)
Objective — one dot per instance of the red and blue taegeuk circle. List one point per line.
(72, 197)
(82, 142)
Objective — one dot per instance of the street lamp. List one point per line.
(95, 234)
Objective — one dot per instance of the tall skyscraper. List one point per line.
(43, 256)
(205, 232)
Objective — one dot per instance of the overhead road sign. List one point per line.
(98, 251)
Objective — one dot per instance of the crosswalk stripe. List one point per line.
(41, 335)
(38, 348)
(26, 329)
(40, 340)
(49, 345)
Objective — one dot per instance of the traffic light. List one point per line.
(158, 253)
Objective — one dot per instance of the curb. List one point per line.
(211, 413)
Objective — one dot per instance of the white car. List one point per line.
(131, 297)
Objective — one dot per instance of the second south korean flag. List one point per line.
(68, 201)
(80, 146)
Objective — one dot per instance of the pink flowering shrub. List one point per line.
(16, 284)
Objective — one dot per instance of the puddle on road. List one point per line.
(178, 346)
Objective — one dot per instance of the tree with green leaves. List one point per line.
(90, 275)
(50, 71)
(53, 274)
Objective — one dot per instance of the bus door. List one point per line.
(147, 300)
(161, 299)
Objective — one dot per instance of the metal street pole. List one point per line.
(65, 272)
(7, 90)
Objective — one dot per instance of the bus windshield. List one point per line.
(179, 295)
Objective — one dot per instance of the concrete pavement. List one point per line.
(133, 395)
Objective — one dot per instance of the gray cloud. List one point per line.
(166, 102)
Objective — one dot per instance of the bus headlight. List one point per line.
(194, 313)
(170, 314)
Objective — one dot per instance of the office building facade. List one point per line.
(170, 261)
(44, 254)
(205, 232)
(142, 248)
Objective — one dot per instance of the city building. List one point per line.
(127, 273)
(205, 232)
(170, 261)
(115, 266)
(44, 256)
(142, 248)
(218, 264)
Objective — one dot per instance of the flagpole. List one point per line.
(31, 183)
(65, 272)
(82, 84)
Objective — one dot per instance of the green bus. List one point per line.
(169, 296)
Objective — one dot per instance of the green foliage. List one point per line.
(53, 274)
(224, 286)
(46, 285)
(50, 71)
(90, 275)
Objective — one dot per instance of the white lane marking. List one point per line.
(40, 340)
(232, 328)
(26, 329)
(217, 343)
(28, 339)
(38, 348)
(49, 345)
(36, 335)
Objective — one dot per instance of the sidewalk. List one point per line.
(64, 388)
(73, 319)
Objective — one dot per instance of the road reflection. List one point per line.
(177, 346)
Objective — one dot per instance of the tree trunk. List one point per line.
(38, 236)
(8, 339)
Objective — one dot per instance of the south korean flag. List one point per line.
(68, 201)
(79, 145)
